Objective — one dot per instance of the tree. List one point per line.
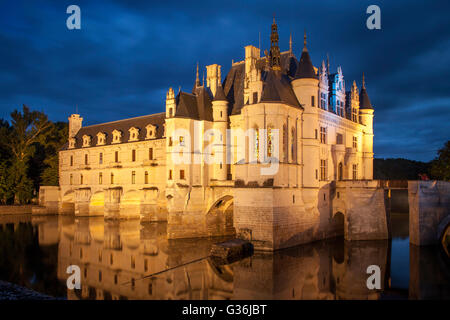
(27, 127)
(53, 141)
(440, 168)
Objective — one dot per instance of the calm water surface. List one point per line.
(134, 260)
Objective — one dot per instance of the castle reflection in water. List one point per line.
(133, 260)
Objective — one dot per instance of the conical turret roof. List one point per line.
(364, 101)
(305, 67)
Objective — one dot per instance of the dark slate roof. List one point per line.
(220, 94)
(305, 67)
(364, 101)
(277, 88)
(157, 120)
(197, 105)
(234, 82)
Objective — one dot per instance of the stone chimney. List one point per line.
(213, 77)
(75, 124)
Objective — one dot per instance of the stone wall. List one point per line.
(429, 208)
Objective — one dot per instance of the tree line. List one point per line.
(29, 145)
(404, 169)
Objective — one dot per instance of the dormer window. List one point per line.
(134, 134)
(151, 131)
(117, 136)
(86, 141)
(72, 143)
(101, 138)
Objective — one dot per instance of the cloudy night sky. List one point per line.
(125, 57)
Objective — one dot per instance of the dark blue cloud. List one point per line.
(127, 54)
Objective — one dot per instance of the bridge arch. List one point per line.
(130, 204)
(97, 204)
(219, 217)
(443, 231)
(68, 202)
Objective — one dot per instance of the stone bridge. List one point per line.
(363, 207)
(200, 211)
(429, 211)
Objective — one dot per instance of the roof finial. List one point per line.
(203, 79)
(363, 81)
(290, 43)
(328, 63)
(197, 80)
(304, 41)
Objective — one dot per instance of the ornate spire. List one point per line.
(328, 64)
(275, 60)
(197, 80)
(363, 81)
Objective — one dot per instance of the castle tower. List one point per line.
(305, 86)
(220, 116)
(75, 124)
(366, 114)
(170, 103)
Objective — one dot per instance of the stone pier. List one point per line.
(429, 211)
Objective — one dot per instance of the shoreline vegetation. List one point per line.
(29, 146)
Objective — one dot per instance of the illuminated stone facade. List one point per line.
(319, 135)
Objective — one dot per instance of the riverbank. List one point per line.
(16, 209)
(10, 291)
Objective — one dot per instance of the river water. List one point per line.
(134, 260)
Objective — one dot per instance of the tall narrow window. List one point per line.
(182, 141)
(133, 155)
(133, 262)
(255, 97)
(256, 146)
(339, 139)
(182, 174)
(355, 142)
(170, 174)
(133, 177)
(146, 177)
(71, 179)
(355, 171)
(100, 158)
(269, 142)
(150, 153)
(293, 149)
(86, 159)
(323, 135)
(145, 265)
(71, 161)
(312, 101)
(100, 178)
(116, 156)
(81, 179)
(323, 170)
(112, 178)
(170, 141)
(285, 142)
